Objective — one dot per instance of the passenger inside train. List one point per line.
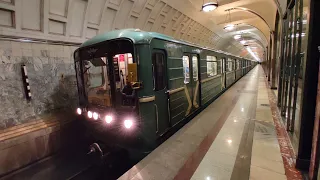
(128, 94)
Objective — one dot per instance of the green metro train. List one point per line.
(135, 86)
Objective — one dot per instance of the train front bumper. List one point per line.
(117, 133)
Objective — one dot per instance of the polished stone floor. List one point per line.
(233, 138)
(266, 160)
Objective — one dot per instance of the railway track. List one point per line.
(77, 167)
(80, 173)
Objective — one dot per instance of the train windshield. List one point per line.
(97, 81)
(108, 74)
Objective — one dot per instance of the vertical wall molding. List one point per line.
(69, 17)
(85, 20)
(18, 14)
(45, 19)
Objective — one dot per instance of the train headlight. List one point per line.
(89, 114)
(128, 123)
(79, 111)
(95, 116)
(108, 119)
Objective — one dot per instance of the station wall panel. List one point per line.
(70, 20)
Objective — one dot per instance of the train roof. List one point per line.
(138, 36)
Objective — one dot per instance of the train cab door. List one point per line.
(192, 81)
(160, 91)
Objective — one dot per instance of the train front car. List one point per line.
(108, 86)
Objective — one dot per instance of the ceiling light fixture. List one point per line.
(243, 42)
(25, 40)
(229, 26)
(236, 37)
(210, 6)
(252, 54)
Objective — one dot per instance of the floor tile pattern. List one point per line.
(236, 137)
(286, 147)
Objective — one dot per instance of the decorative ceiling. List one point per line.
(78, 20)
(254, 20)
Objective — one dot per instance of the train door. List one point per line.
(160, 91)
(235, 69)
(242, 64)
(223, 75)
(191, 81)
(243, 67)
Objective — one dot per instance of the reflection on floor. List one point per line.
(294, 136)
(234, 138)
(266, 161)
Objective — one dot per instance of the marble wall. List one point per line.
(51, 77)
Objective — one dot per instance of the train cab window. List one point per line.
(96, 81)
(212, 66)
(158, 62)
(95, 74)
(195, 68)
(125, 72)
(108, 74)
(185, 63)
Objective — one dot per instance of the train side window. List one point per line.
(233, 64)
(238, 64)
(158, 71)
(223, 65)
(195, 68)
(220, 66)
(185, 63)
(212, 66)
(229, 65)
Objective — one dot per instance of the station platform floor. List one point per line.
(239, 136)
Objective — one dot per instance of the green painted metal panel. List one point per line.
(135, 35)
(230, 78)
(144, 70)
